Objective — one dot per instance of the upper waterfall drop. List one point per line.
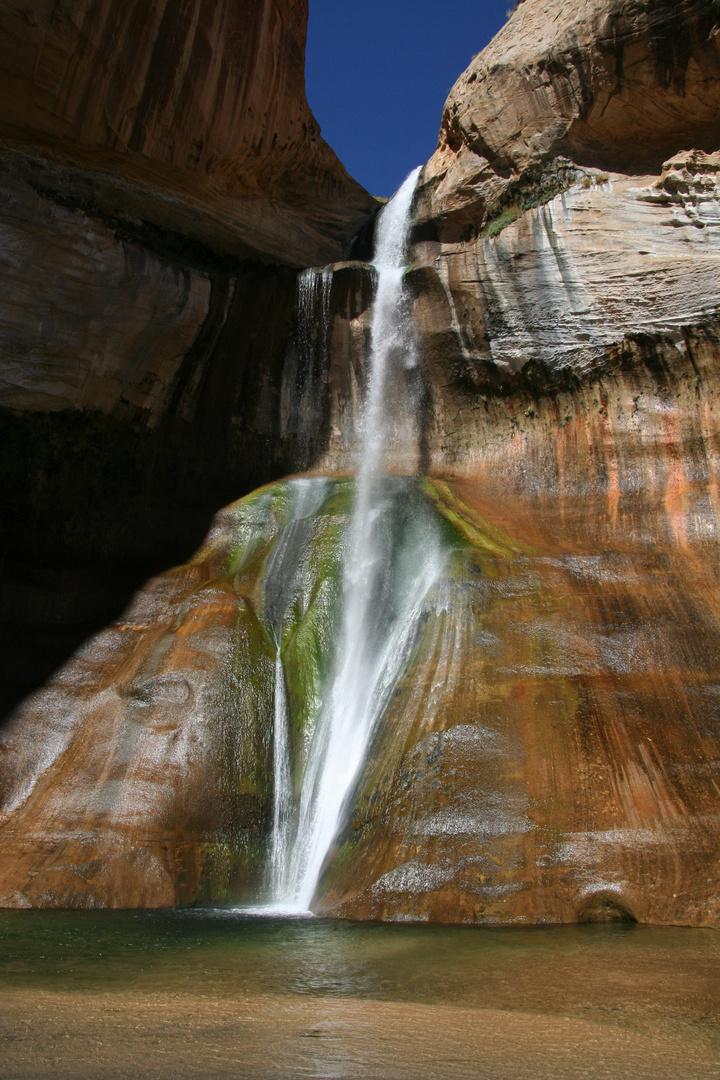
(393, 554)
(390, 335)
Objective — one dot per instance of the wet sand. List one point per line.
(126, 1035)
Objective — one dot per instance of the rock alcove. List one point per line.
(552, 751)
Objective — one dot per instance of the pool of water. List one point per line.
(220, 993)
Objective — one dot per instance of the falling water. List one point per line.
(304, 403)
(282, 802)
(314, 292)
(283, 581)
(392, 558)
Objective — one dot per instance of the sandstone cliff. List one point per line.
(582, 299)
(167, 796)
(190, 118)
(160, 174)
(550, 754)
(610, 84)
(553, 753)
(565, 284)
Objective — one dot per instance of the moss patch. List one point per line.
(538, 186)
(481, 534)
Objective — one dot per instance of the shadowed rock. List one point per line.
(187, 118)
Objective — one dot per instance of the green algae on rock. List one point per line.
(166, 799)
(501, 785)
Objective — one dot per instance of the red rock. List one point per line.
(554, 753)
(140, 776)
(610, 85)
(189, 117)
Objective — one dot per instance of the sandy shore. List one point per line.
(125, 1034)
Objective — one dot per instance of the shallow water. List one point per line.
(220, 994)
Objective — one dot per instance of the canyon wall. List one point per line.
(553, 751)
(188, 118)
(556, 757)
(161, 175)
(165, 798)
(618, 86)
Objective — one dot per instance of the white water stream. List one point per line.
(390, 563)
(314, 289)
(282, 802)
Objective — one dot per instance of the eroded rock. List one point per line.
(553, 753)
(141, 776)
(610, 85)
(161, 177)
(549, 753)
(190, 118)
(88, 320)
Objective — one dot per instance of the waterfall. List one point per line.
(283, 581)
(303, 402)
(393, 555)
(314, 289)
(282, 781)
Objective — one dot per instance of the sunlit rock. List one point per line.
(553, 752)
(610, 85)
(550, 751)
(142, 774)
(549, 747)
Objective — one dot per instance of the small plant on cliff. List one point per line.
(535, 188)
(506, 218)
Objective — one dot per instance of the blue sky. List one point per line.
(378, 73)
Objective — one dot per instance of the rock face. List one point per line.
(122, 318)
(615, 279)
(160, 175)
(552, 752)
(572, 409)
(188, 118)
(569, 327)
(141, 776)
(116, 391)
(570, 335)
(609, 84)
